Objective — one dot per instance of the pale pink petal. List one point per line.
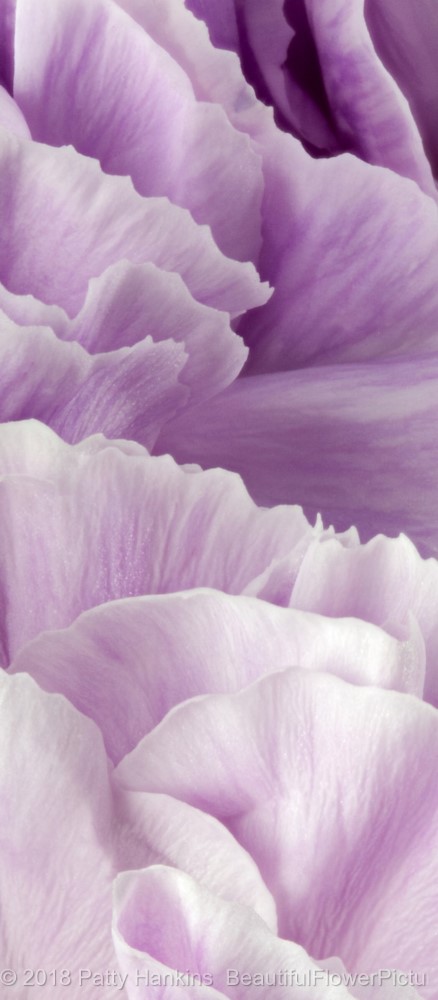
(67, 835)
(30, 448)
(26, 310)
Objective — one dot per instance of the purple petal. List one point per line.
(7, 24)
(147, 124)
(405, 35)
(127, 303)
(55, 882)
(371, 114)
(354, 272)
(129, 662)
(131, 392)
(356, 443)
(172, 352)
(98, 221)
(327, 82)
(64, 846)
(215, 74)
(11, 117)
(332, 789)
(165, 921)
(221, 20)
(156, 829)
(99, 526)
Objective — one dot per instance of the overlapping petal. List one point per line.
(101, 526)
(356, 442)
(120, 97)
(54, 889)
(11, 117)
(126, 663)
(131, 392)
(121, 275)
(405, 35)
(326, 80)
(57, 891)
(341, 76)
(164, 922)
(332, 790)
(347, 228)
(148, 596)
(377, 230)
(102, 522)
(154, 350)
(7, 16)
(98, 221)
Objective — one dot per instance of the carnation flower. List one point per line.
(218, 712)
(339, 383)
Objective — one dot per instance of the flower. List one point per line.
(338, 387)
(219, 726)
(172, 653)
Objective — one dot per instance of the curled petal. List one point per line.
(55, 782)
(354, 768)
(165, 922)
(97, 221)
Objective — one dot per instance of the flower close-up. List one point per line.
(218, 496)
